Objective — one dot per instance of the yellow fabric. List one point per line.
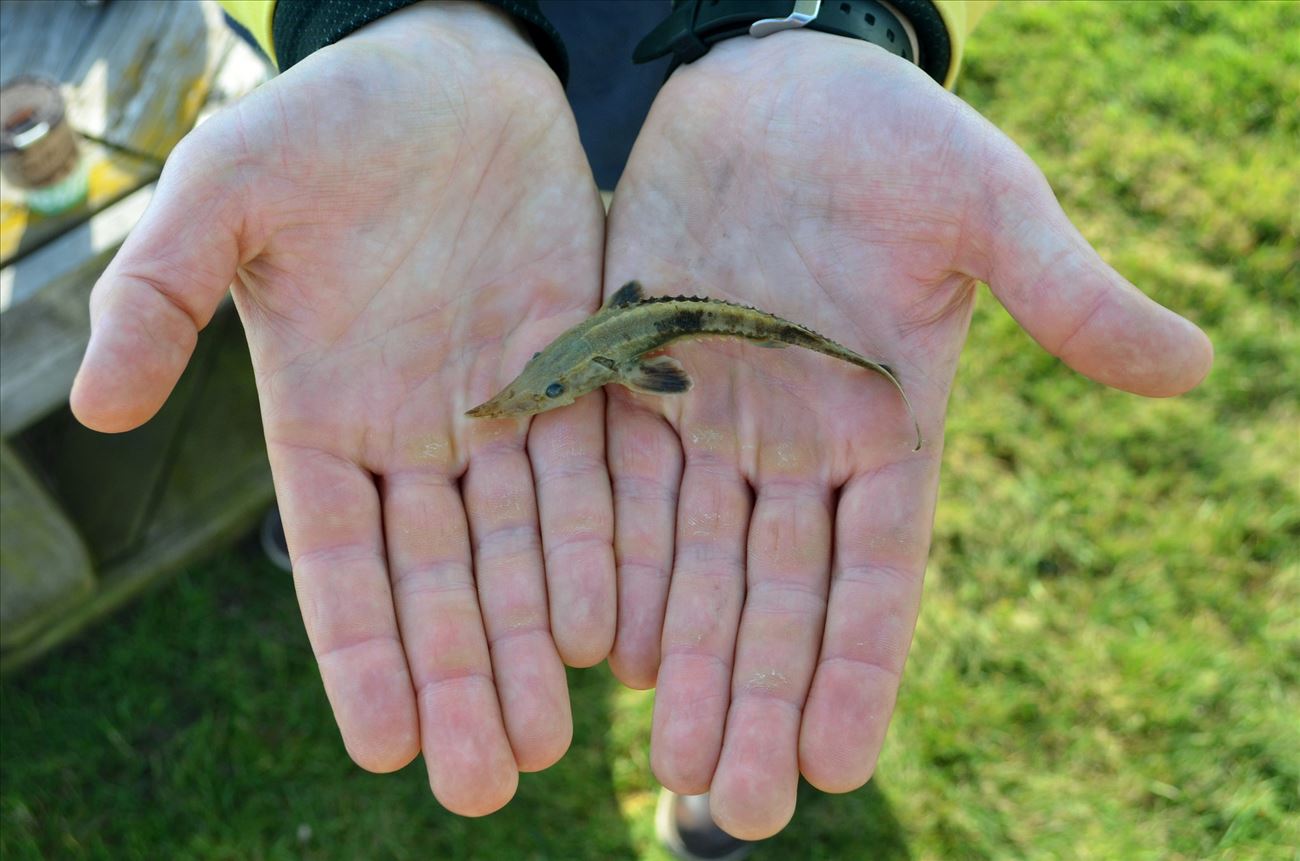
(960, 17)
(256, 17)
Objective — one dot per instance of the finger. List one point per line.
(753, 791)
(331, 520)
(163, 286)
(567, 451)
(498, 492)
(882, 535)
(645, 466)
(1080, 309)
(471, 766)
(708, 587)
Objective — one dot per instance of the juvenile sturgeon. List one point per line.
(611, 346)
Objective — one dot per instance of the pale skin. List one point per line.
(772, 525)
(772, 530)
(402, 215)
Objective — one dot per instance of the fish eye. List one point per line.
(554, 390)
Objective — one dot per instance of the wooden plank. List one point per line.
(44, 315)
(143, 77)
(137, 75)
(41, 38)
(111, 96)
(220, 461)
(78, 463)
(43, 564)
(44, 319)
(217, 487)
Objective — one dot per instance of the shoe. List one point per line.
(685, 827)
(273, 543)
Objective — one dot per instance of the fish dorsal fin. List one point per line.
(629, 294)
(662, 375)
(707, 299)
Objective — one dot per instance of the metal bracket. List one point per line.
(801, 15)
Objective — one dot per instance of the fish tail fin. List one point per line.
(888, 372)
(825, 345)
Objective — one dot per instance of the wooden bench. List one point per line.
(87, 520)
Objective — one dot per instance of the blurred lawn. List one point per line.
(1108, 657)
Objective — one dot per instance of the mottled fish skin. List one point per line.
(611, 347)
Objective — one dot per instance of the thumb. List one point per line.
(1078, 308)
(163, 286)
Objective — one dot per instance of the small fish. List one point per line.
(611, 346)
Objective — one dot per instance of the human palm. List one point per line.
(828, 182)
(406, 216)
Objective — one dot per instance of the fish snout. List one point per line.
(504, 405)
(491, 408)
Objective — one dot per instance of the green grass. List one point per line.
(1108, 660)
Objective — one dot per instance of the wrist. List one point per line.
(489, 26)
(797, 58)
(908, 29)
(470, 25)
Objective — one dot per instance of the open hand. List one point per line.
(826, 181)
(406, 216)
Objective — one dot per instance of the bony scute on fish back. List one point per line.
(614, 346)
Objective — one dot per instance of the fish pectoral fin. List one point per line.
(629, 294)
(662, 375)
